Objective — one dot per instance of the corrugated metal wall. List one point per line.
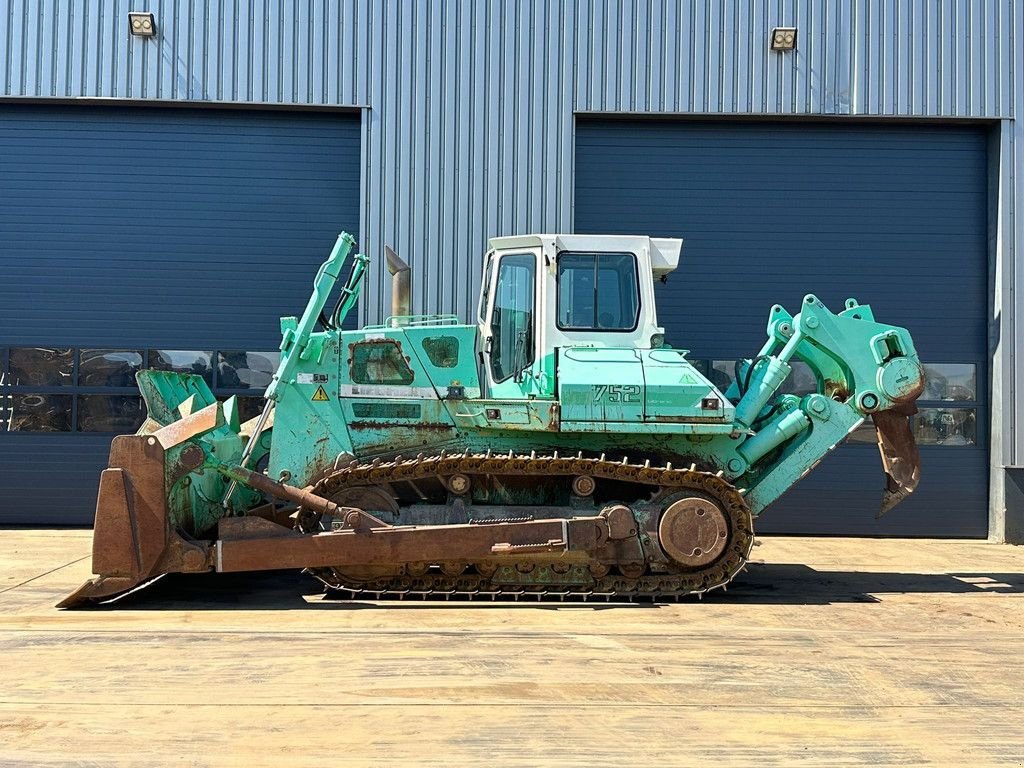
(469, 131)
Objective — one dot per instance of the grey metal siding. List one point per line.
(155, 228)
(893, 215)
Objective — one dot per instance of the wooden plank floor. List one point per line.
(828, 652)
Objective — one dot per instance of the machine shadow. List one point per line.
(762, 583)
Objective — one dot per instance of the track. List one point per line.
(659, 579)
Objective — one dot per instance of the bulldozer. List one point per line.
(557, 446)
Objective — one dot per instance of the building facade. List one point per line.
(167, 196)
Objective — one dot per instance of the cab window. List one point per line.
(598, 291)
(485, 289)
(512, 318)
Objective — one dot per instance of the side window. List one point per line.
(379, 362)
(443, 351)
(598, 291)
(485, 288)
(512, 318)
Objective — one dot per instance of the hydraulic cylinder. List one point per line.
(783, 427)
(765, 380)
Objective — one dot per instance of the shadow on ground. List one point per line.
(762, 583)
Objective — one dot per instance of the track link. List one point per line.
(472, 581)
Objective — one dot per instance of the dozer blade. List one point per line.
(133, 542)
(901, 459)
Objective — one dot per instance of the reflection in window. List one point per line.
(443, 351)
(946, 426)
(931, 426)
(108, 367)
(41, 367)
(122, 414)
(865, 433)
(801, 380)
(950, 381)
(597, 291)
(182, 361)
(249, 407)
(246, 370)
(379, 362)
(722, 373)
(38, 413)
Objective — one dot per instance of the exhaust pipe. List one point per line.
(401, 283)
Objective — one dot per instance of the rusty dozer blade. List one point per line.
(901, 459)
(133, 542)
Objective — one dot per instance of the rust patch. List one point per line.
(554, 417)
(420, 426)
(837, 390)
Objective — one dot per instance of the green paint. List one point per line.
(416, 384)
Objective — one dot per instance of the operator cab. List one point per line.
(543, 293)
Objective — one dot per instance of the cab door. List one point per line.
(510, 337)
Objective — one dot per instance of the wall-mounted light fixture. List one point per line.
(784, 39)
(142, 24)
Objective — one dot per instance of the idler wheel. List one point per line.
(693, 531)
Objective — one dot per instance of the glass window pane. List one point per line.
(246, 370)
(379, 362)
(108, 367)
(443, 351)
(110, 413)
(41, 367)
(865, 433)
(182, 361)
(485, 289)
(801, 380)
(950, 381)
(249, 407)
(512, 318)
(931, 426)
(946, 426)
(597, 291)
(38, 413)
(722, 373)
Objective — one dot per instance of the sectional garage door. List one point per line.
(893, 215)
(133, 237)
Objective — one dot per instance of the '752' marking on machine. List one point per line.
(617, 393)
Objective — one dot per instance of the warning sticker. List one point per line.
(320, 396)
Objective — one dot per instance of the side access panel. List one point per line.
(388, 402)
(601, 385)
(676, 392)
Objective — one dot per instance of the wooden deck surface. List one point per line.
(828, 652)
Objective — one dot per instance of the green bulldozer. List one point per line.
(556, 446)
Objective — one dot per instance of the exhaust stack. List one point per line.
(401, 283)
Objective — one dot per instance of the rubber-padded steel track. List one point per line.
(469, 580)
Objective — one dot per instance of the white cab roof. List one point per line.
(664, 251)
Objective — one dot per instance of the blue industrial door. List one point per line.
(144, 237)
(894, 215)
